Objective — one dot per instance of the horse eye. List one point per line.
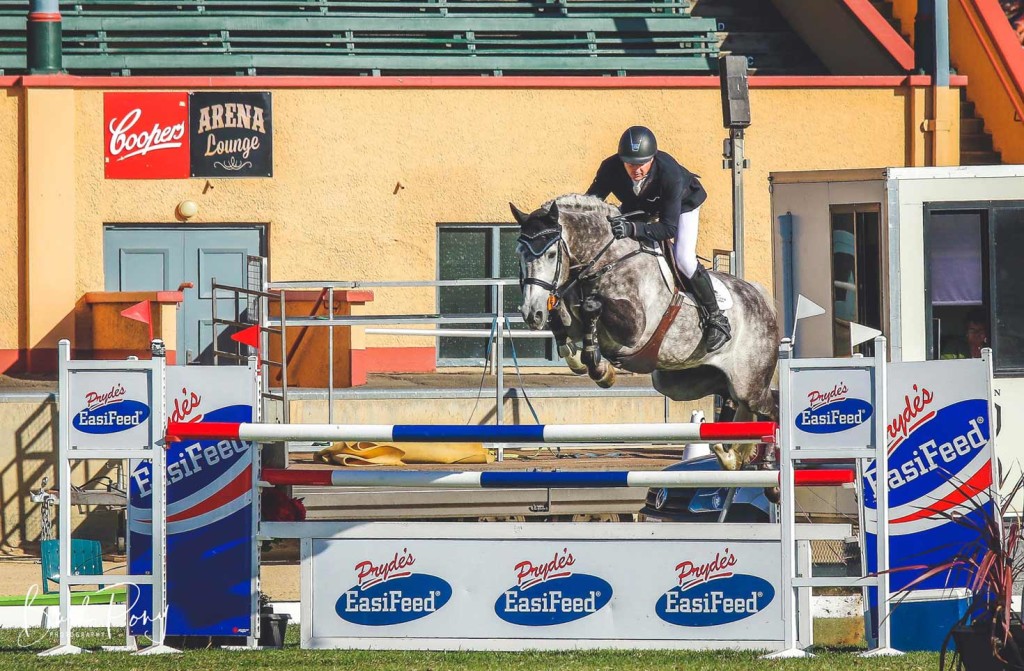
(551, 254)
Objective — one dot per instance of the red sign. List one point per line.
(145, 135)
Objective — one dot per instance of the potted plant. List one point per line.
(989, 636)
(276, 506)
(273, 626)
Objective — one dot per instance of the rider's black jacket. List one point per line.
(669, 191)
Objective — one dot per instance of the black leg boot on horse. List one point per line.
(598, 367)
(716, 325)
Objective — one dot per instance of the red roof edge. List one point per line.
(886, 35)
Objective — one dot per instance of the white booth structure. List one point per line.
(932, 257)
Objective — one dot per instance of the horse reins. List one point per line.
(558, 291)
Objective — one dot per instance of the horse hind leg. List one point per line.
(763, 455)
(735, 457)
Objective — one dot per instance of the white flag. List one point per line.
(860, 333)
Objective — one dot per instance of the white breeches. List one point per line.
(686, 242)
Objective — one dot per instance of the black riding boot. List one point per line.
(716, 324)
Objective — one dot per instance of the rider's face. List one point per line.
(638, 171)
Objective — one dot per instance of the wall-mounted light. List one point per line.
(188, 209)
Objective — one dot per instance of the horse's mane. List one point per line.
(583, 212)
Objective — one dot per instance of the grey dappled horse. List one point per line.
(617, 298)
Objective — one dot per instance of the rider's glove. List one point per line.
(629, 229)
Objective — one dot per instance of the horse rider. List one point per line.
(644, 178)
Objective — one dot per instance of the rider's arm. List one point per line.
(668, 218)
(680, 195)
(601, 186)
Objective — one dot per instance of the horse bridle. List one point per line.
(556, 291)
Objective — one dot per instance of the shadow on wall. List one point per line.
(30, 458)
(28, 447)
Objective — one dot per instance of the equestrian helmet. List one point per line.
(637, 145)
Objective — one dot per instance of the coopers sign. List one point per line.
(172, 135)
(145, 135)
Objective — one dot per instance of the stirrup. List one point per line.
(716, 332)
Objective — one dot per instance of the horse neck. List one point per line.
(656, 295)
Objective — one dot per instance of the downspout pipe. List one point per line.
(788, 283)
(44, 53)
(941, 73)
(931, 46)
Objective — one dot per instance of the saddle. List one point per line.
(645, 359)
(682, 285)
(677, 275)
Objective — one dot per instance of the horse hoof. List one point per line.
(745, 453)
(576, 365)
(608, 379)
(727, 458)
(773, 494)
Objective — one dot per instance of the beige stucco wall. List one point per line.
(460, 155)
(11, 222)
(28, 447)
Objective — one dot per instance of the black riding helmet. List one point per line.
(637, 145)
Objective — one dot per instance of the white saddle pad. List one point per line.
(721, 293)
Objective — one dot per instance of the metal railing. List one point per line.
(497, 319)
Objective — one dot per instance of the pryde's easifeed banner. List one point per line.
(832, 408)
(545, 589)
(109, 409)
(210, 572)
(940, 458)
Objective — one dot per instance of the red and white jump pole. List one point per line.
(547, 479)
(708, 432)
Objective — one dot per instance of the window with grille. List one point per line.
(477, 251)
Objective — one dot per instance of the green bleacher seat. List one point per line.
(375, 37)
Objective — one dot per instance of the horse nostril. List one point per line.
(538, 316)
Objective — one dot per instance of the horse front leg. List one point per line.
(598, 368)
(566, 347)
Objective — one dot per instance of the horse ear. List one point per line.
(519, 215)
(553, 212)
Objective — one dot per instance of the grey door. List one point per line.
(159, 258)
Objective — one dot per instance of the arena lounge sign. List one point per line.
(171, 135)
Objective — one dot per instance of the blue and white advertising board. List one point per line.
(498, 593)
(832, 408)
(211, 525)
(941, 464)
(109, 409)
